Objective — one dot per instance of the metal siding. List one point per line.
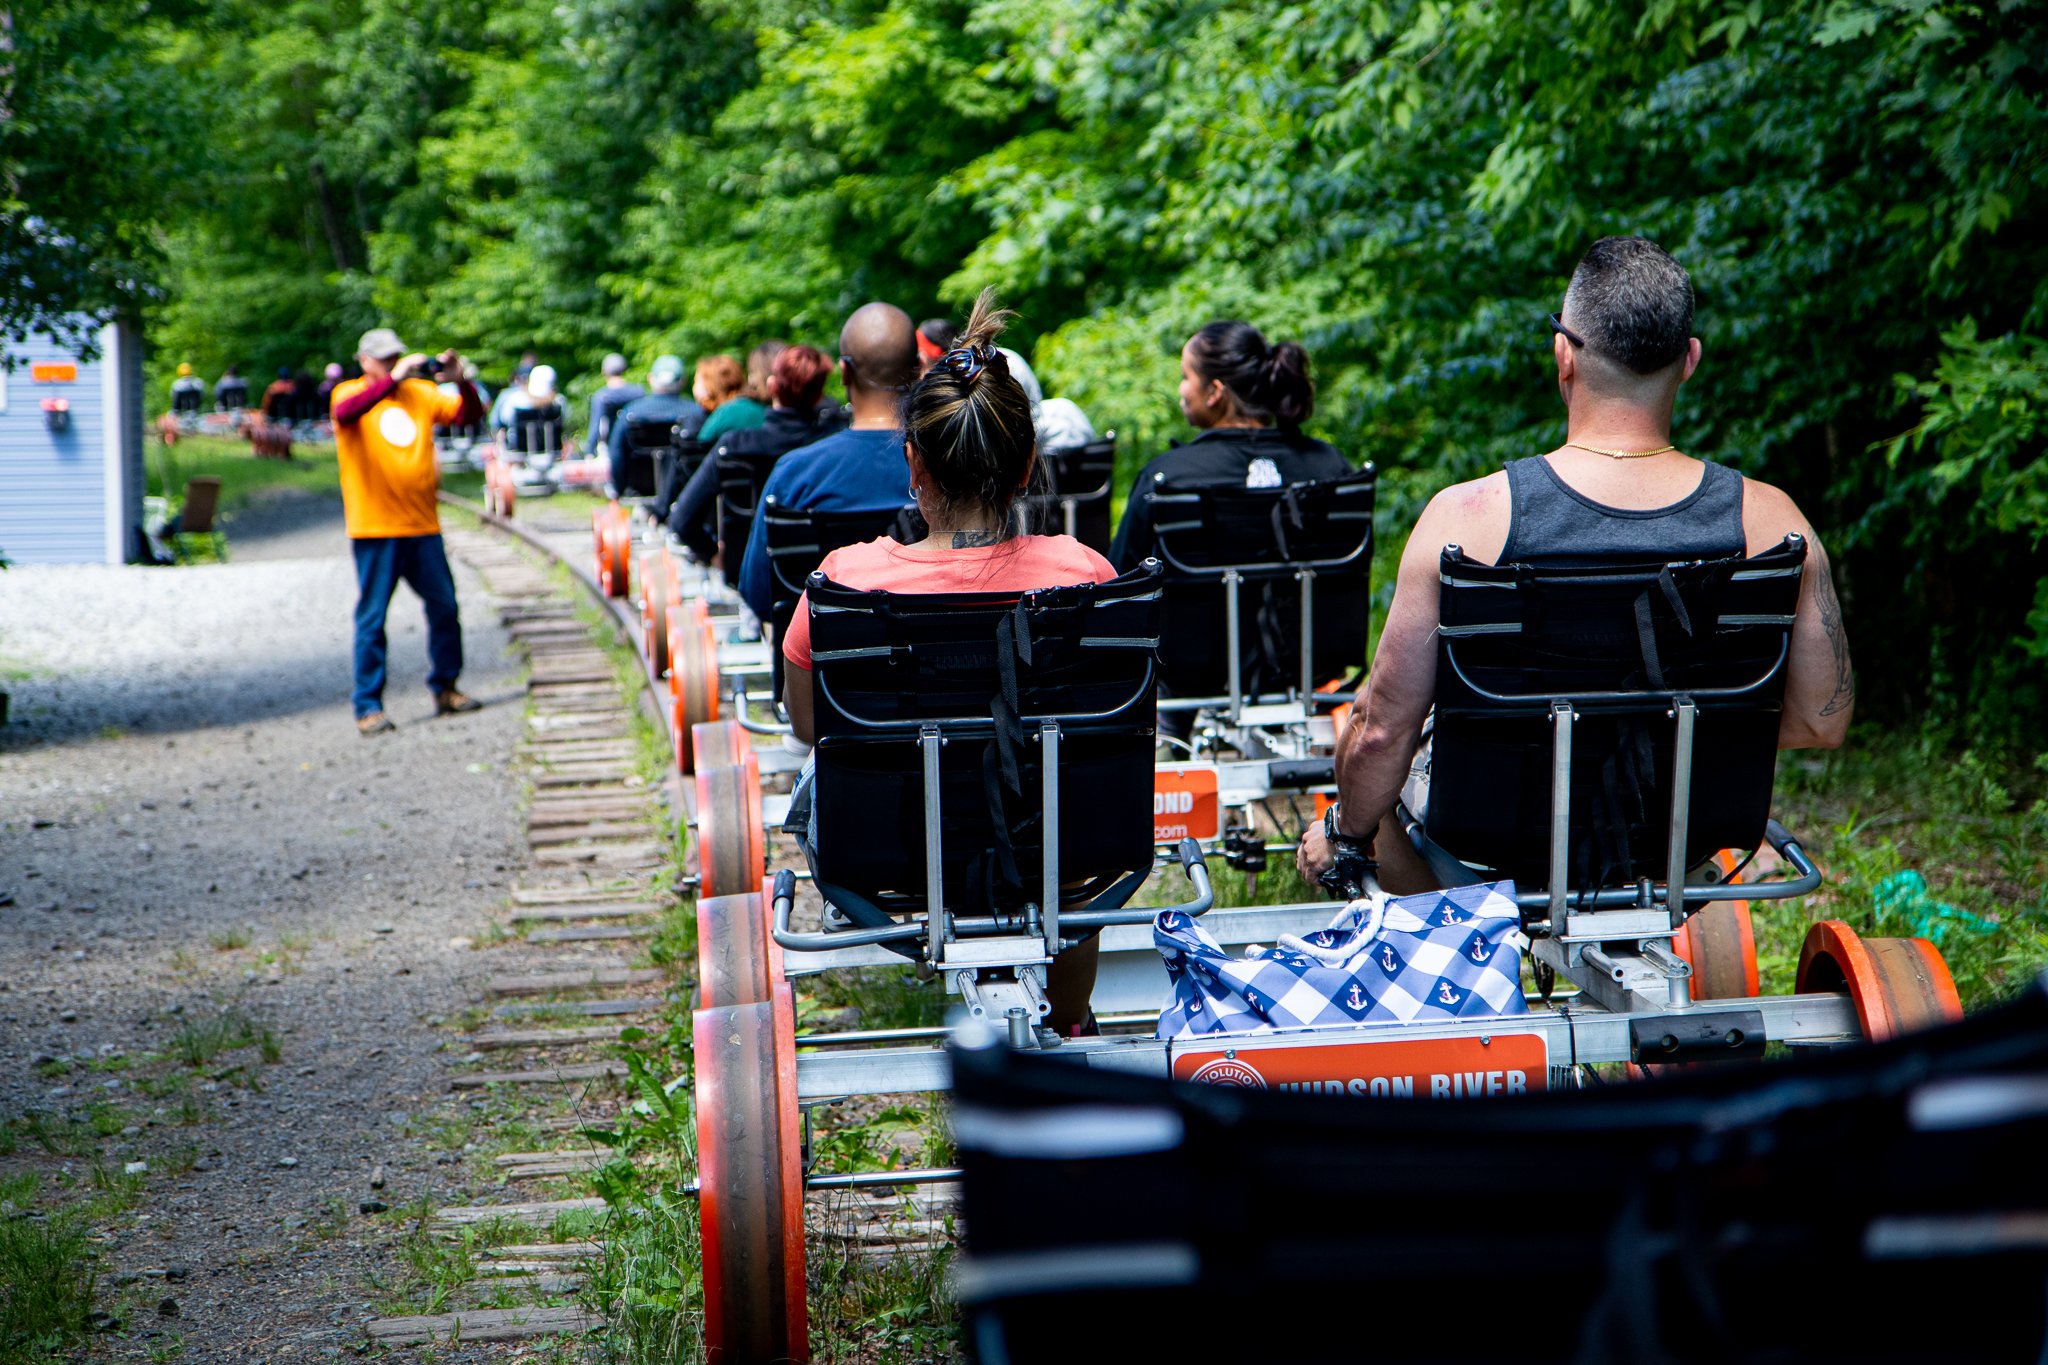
(52, 487)
(136, 446)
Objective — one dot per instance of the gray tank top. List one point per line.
(1552, 523)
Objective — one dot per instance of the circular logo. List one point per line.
(1229, 1071)
(395, 425)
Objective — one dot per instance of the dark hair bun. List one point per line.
(1290, 396)
(1270, 383)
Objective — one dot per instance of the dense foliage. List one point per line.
(1857, 186)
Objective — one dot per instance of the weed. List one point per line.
(896, 1308)
(199, 1041)
(229, 939)
(48, 1278)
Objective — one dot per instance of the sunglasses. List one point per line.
(1557, 326)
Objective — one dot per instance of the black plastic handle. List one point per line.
(1301, 772)
(1189, 852)
(785, 885)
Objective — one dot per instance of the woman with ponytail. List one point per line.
(969, 447)
(1249, 398)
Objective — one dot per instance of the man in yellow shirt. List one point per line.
(384, 436)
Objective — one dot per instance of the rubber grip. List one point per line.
(785, 885)
(1301, 772)
(1189, 853)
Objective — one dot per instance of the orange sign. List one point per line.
(1425, 1068)
(53, 372)
(1184, 805)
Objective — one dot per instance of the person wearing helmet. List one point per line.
(188, 390)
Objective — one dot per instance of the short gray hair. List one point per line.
(1632, 303)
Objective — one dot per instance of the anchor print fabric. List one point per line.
(1442, 955)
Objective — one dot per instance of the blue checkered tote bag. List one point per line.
(1442, 955)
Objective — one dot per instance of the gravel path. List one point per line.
(191, 830)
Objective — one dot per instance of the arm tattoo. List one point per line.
(1838, 640)
(968, 540)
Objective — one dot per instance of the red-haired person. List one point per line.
(796, 384)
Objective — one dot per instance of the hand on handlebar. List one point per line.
(1342, 872)
(1314, 856)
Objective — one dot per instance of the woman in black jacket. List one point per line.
(1249, 398)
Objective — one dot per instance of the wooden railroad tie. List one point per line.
(483, 1324)
(551, 1075)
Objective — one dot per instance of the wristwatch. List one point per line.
(1353, 862)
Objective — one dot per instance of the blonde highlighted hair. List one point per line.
(970, 421)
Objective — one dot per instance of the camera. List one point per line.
(428, 368)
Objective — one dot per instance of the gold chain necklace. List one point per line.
(1619, 454)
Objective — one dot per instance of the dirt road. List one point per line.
(227, 924)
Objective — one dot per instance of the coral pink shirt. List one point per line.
(1018, 565)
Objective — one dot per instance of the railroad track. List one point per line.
(602, 877)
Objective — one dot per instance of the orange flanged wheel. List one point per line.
(1899, 985)
(720, 743)
(693, 679)
(654, 600)
(691, 615)
(614, 550)
(1720, 943)
(731, 845)
(750, 1196)
(738, 960)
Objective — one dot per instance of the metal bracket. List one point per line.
(1698, 1036)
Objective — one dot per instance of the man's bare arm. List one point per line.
(1379, 742)
(1820, 679)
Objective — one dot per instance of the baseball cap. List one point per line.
(381, 343)
(666, 369)
(541, 383)
(184, 368)
(614, 364)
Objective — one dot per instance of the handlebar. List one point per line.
(1189, 853)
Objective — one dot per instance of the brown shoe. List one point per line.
(376, 723)
(451, 703)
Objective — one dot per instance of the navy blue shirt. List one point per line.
(849, 471)
(604, 406)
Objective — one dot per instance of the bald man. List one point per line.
(860, 469)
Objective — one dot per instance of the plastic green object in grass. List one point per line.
(1905, 894)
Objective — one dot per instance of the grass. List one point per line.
(198, 1042)
(229, 939)
(47, 1279)
(1974, 827)
(242, 476)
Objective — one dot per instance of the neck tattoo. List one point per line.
(970, 540)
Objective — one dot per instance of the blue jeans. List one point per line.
(422, 562)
